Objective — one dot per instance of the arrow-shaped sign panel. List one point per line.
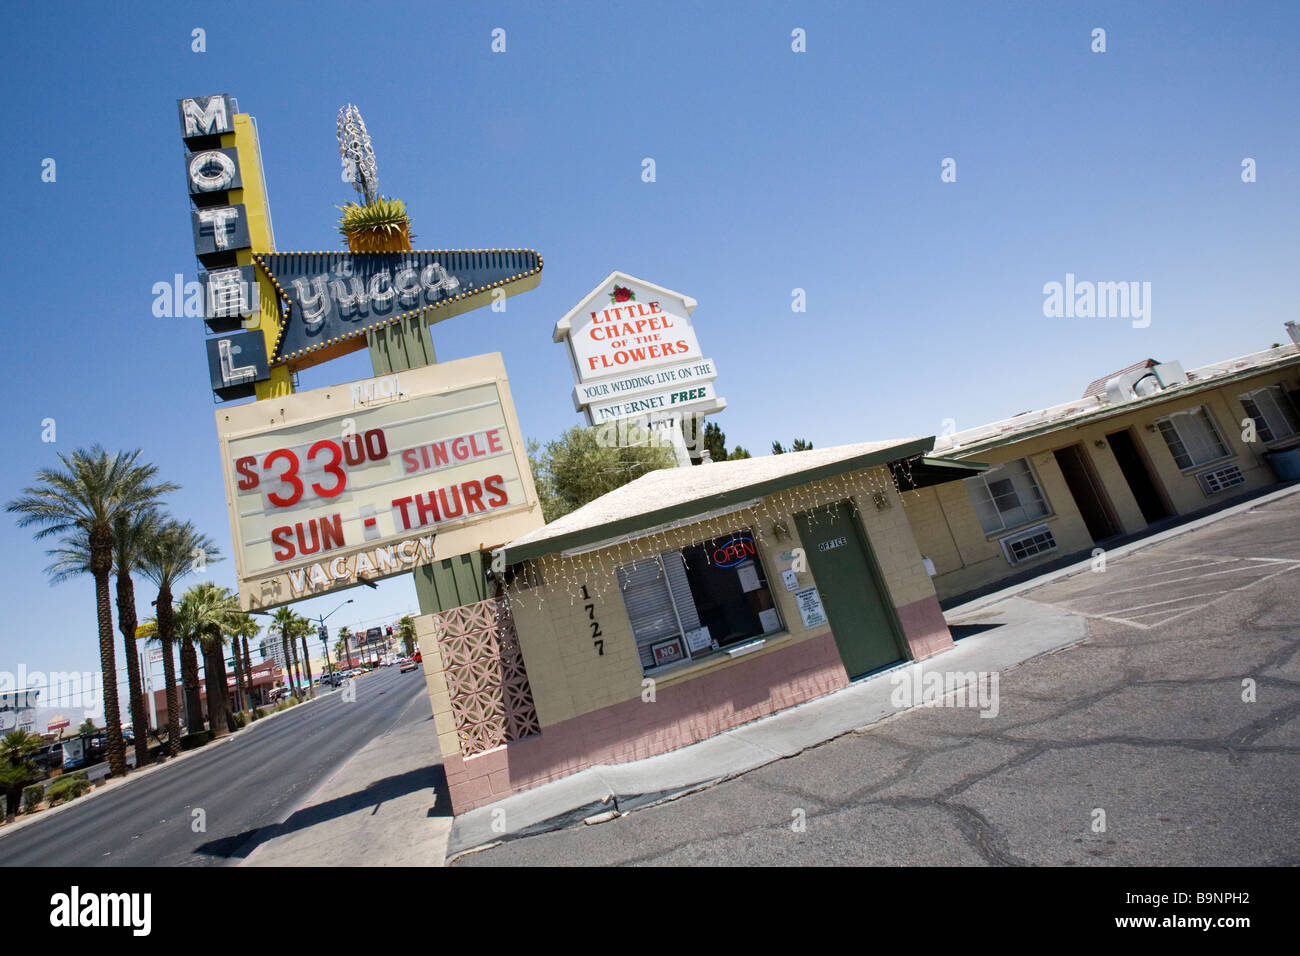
(332, 299)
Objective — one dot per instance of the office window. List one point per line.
(1006, 496)
(690, 603)
(1192, 438)
(1275, 417)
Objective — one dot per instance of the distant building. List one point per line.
(18, 710)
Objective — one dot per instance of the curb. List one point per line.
(468, 835)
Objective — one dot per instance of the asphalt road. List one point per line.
(1170, 737)
(244, 786)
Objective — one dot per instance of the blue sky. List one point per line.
(775, 170)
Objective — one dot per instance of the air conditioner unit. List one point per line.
(1028, 543)
(1220, 479)
(1170, 373)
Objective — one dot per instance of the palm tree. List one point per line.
(283, 619)
(212, 612)
(246, 626)
(342, 647)
(89, 494)
(16, 770)
(297, 667)
(406, 629)
(131, 535)
(169, 557)
(303, 630)
(189, 672)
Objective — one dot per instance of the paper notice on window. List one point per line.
(810, 608)
(770, 620)
(699, 639)
(748, 577)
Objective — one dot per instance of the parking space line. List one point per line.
(1194, 577)
(1114, 617)
(1177, 600)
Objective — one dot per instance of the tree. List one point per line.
(131, 533)
(799, 445)
(210, 613)
(88, 494)
(169, 557)
(341, 646)
(298, 629)
(246, 626)
(406, 630)
(87, 726)
(283, 620)
(577, 468)
(715, 440)
(16, 769)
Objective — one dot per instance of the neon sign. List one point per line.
(735, 551)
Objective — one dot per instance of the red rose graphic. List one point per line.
(621, 294)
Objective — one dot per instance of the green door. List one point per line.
(851, 590)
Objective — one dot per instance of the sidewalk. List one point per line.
(1011, 634)
(386, 806)
(1004, 631)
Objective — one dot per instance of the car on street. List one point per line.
(407, 664)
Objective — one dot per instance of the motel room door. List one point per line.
(1134, 467)
(851, 589)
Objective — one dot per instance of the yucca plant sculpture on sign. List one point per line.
(378, 224)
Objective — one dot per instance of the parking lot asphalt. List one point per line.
(1171, 736)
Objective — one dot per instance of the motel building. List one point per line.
(684, 603)
(1140, 447)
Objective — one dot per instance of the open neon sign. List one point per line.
(733, 552)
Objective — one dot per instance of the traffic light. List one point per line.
(388, 632)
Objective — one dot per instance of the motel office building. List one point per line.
(1142, 446)
(682, 604)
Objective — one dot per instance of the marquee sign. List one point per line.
(352, 483)
(331, 299)
(634, 354)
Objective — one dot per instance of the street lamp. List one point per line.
(324, 634)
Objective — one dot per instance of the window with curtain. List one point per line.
(1275, 417)
(1192, 438)
(1006, 496)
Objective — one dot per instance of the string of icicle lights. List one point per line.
(597, 571)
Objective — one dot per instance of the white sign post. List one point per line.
(635, 357)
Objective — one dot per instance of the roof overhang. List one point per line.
(924, 471)
(699, 508)
(1162, 397)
